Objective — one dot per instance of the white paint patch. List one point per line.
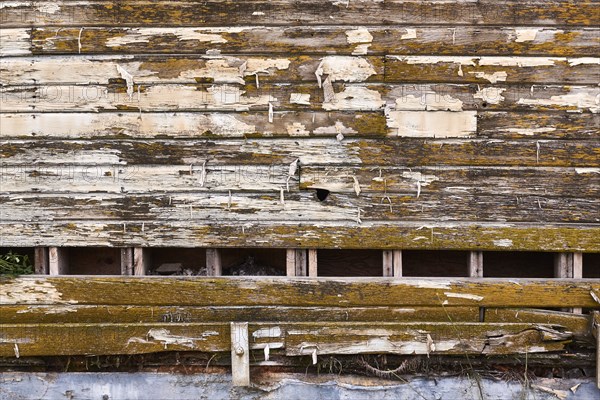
(463, 296)
(425, 284)
(462, 60)
(519, 61)
(28, 291)
(423, 179)
(579, 97)
(346, 69)
(530, 131)
(300, 98)
(410, 34)
(499, 76)
(354, 98)
(362, 37)
(144, 35)
(273, 332)
(429, 101)
(128, 79)
(584, 60)
(334, 129)
(440, 124)
(166, 338)
(258, 13)
(265, 65)
(47, 8)
(14, 42)
(582, 171)
(526, 35)
(503, 243)
(48, 310)
(491, 95)
(297, 129)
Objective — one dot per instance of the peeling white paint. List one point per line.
(273, 332)
(362, 38)
(526, 35)
(47, 7)
(14, 42)
(300, 98)
(491, 95)
(48, 310)
(264, 65)
(345, 69)
(530, 131)
(166, 338)
(410, 34)
(144, 35)
(519, 61)
(463, 296)
(498, 76)
(581, 171)
(354, 98)
(27, 291)
(583, 61)
(128, 79)
(297, 129)
(337, 128)
(503, 243)
(580, 97)
(430, 101)
(439, 124)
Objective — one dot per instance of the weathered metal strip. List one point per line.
(234, 291)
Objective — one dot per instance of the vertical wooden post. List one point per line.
(240, 354)
(569, 265)
(140, 261)
(40, 261)
(476, 264)
(214, 265)
(296, 262)
(58, 261)
(392, 263)
(595, 328)
(127, 261)
(312, 263)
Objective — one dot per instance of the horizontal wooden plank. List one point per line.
(161, 179)
(577, 323)
(119, 125)
(456, 181)
(357, 40)
(385, 235)
(409, 152)
(144, 69)
(395, 99)
(297, 338)
(201, 125)
(440, 338)
(303, 12)
(179, 315)
(281, 291)
(299, 207)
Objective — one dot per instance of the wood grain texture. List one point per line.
(410, 40)
(435, 235)
(303, 12)
(285, 291)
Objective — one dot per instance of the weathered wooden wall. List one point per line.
(434, 124)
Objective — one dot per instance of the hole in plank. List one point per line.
(435, 263)
(322, 194)
(591, 265)
(518, 264)
(176, 261)
(349, 263)
(254, 262)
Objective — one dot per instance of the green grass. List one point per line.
(15, 264)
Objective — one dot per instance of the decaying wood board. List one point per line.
(357, 40)
(73, 313)
(397, 100)
(433, 235)
(297, 338)
(303, 12)
(299, 124)
(296, 206)
(409, 152)
(145, 69)
(348, 292)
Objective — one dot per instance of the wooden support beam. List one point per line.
(569, 265)
(392, 263)
(240, 354)
(140, 261)
(41, 266)
(296, 262)
(476, 264)
(214, 265)
(127, 265)
(595, 328)
(58, 261)
(312, 263)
